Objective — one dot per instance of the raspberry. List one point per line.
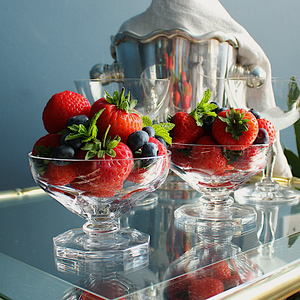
(61, 107)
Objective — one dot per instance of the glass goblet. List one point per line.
(277, 99)
(216, 171)
(152, 94)
(82, 187)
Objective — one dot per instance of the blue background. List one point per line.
(46, 45)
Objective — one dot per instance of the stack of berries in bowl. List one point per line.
(210, 280)
(216, 147)
(102, 150)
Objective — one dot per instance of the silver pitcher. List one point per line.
(191, 60)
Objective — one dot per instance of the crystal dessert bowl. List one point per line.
(216, 171)
(152, 92)
(100, 191)
(277, 100)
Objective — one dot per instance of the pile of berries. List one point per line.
(234, 130)
(206, 282)
(110, 130)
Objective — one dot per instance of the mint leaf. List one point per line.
(163, 132)
(204, 109)
(168, 126)
(146, 121)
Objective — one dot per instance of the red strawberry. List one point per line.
(237, 127)
(50, 172)
(138, 174)
(61, 107)
(252, 158)
(204, 288)
(187, 98)
(181, 156)
(104, 176)
(109, 290)
(177, 97)
(186, 130)
(207, 158)
(119, 114)
(51, 140)
(233, 281)
(268, 125)
(162, 150)
(59, 175)
(219, 270)
(177, 288)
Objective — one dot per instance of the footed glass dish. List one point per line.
(84, 188)
(216, 171)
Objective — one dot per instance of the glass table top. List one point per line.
(29, 219)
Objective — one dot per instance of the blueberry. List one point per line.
(255, 113)
(207, 123)
(76, 144)
(262, 136)
(219, 109)
(80, 119)
(63, 152)
(137, 140)
(150, 130)
(161, 139)
(149, 150)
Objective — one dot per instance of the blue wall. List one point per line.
(45, 45)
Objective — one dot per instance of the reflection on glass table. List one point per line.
(29, 221)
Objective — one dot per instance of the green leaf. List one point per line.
(167, 126)
(294, 162)
(292, 239)
(297, 135)
(146, 121)
(204, 109)
(161, 131)
(293, 94)
(236, 125)
(110, 152)
(44, 151)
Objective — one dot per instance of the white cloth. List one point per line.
(199, 17)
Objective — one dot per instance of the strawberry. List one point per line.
(61, 107)
(219, 270)
(233, 281)
(252, 158)
(104, 176)
(49, 171)
(59, 175)
(186, 130)
(109, 290)
(162, 150)
(269, 127)
(208, 159)
(204, 288)
(48, 142)
(180, 156)
(187, 98)
(139, 174)
(119, 113)
(237, 127)
(177, 288)
(177, 97)
(188, 127)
